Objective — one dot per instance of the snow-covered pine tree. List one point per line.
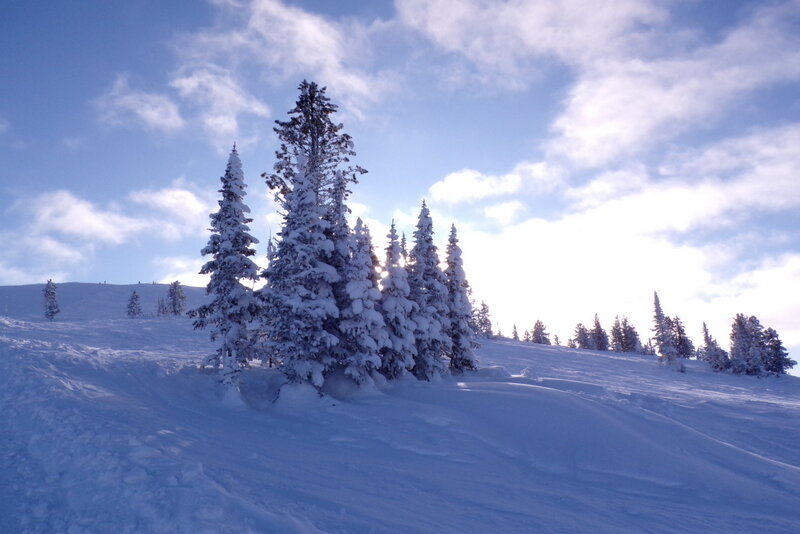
(526, 336)
(663, 334)
(176, 300)
(429, 291)
(482, 321)
(712, 353)
(298, 300)
(230, 247)
(404, 248)
(598, 335)
(571, 344)
(747, 345)
(362, 329)
(459, 309)
(311, 135)
(398, 309)
(630, 337)
(134, 308)
(583, 340)
(539, 334)
(776, 357)
(683, 345)
(616, 336)
(161, 307)
(514, 333)
(50, 302)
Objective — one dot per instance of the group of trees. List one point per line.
(324, 309)
(754, 350)
(173, 303)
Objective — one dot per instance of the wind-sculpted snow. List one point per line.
(107, 425)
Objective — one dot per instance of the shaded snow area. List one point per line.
(107, 425)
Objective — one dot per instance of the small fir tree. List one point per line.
(539, 334)
(630, 337)
(616, 336)
(598, 335)
(747, 345)
(514, 333)
(482, 321)
(50, 302)
(662, 329)
(776, 358)
(712, 353)
(459, 309)
(161, 307)
(583, 339)
(134, 308)
(683, 345)
(556, 341)
(176, 300)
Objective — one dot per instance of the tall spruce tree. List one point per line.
(134, 307)
(298, 300)
(362, 329)
(459, 309)
(398, 310)
(429, 291)
(232, 307)
(50, 301)
(630, 337)
(311, 136)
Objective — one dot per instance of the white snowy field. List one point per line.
(106, 425)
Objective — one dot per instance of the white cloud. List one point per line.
(63, 213)
(504, 213)
(221, 99)
(623, 105)
(468, 185)
(290, 42)
(183, 212)
(155, 111)
(503, 39)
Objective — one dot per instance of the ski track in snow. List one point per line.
(108, 426)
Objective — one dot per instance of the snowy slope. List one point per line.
(107, 426)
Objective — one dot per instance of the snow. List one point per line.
(107, 425)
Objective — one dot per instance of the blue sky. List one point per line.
(589, 153)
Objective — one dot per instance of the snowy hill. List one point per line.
(106, 425)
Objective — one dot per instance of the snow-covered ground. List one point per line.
(106, 425)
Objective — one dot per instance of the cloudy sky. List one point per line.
(588, 152)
